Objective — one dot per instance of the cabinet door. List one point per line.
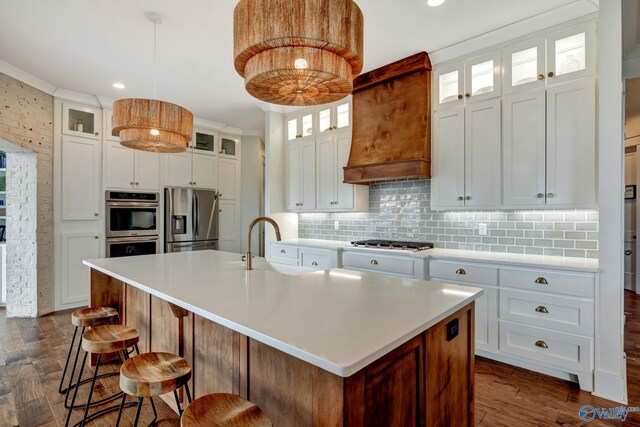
(75, 275)
(448, 159)
(80, 120)
(571, 53)
(571, 144)
(147, 171)
(108, 126)
(205, 172)
(449, 86)
(524, 65)
(177, 169)
(483, 77)
(486, 321)
(326, 173)
(118, 166)
(80, 179)
(308, 175)
(294, 190)
(344, 192)
(229, 179)
(229, 220)
(524, 153)
(205, 142)
(483, 146)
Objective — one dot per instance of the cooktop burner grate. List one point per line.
(392, 244)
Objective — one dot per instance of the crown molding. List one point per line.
(24, 77)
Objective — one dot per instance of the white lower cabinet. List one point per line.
(74, 280)
(379, 263)
(80, 179)
(289, 254)
(229, 226)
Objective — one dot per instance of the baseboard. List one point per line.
(528, 365)
(610, 386)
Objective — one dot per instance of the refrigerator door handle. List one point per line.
(193, 215)
(197, 225)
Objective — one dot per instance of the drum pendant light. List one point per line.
(149, 124)
(298, 52)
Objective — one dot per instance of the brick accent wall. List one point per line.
(399, 210)
(26, 134)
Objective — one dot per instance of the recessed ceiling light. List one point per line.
(119, 85)
(434, 3)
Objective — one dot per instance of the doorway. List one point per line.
(632, 181)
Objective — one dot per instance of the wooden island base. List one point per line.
(427, 381)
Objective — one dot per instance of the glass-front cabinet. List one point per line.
(300, 127)
(205, 141)
(571, 53)
(80, 120)
(483, 77)
(334, 117)
(525, 65)
(449, 85)
(228, 146)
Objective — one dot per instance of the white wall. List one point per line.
(610, 372)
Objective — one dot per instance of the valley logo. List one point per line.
(588, 413)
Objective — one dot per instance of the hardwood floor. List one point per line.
(33, 351)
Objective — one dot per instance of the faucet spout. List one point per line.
(249, 264)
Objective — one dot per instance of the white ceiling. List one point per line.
(85, 46)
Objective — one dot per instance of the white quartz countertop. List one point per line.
(519, 260)
(338, 320)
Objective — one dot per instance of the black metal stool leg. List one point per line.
(75, 391)
(66, 365)
(155, 413)
(186, 388)
(93, 384)
(73, 371)
(135, 423)
(124, 398)
(175, 394)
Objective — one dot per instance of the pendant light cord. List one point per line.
(155, 55)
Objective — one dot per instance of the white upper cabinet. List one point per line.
(301, 176)
(334, 117)
(571, 144)
(108, 126)
(300, 126)
(228, 179)
(449, 86)
(147, 171)
(80, 120)
(524, 148)
(571, 53)
(127, 169)
(204, 173)
(326, 173)
(205, 142)
(483, 147)
(448, 159)
(177, 169)
(483, 77)
(229, 147)
(525, 65)
(80, 180)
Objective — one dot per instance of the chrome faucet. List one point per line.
(253, 223)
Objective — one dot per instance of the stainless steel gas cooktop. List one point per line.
(392, 244)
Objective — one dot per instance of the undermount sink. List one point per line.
(289, 270)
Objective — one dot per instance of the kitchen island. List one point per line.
(325, 348)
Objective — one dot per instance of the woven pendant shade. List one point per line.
(151, 125)
(298, 52)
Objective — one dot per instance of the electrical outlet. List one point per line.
(336, 225)
(482, 229)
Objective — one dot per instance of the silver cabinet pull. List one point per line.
(460, 198)
(550, 195)
(374, 262)
(541, 281)
(467, 197)
(461, 271)
(540, 195)
(628, 252)
(282, 251)
(542, 309)
(315, 264)
(542, 344)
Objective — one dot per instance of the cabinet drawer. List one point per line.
(461, 272)
(315, 260)
(377, 262)
(576, 284)
(547, 311)
(285, 261)
(558, 349)
(284, 251)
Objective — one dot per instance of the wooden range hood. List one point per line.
(392, 123)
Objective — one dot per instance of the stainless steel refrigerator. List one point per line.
(192, 220)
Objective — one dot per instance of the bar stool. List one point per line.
(84, 318)
(102, 340)
(153, 374)
(223, 410)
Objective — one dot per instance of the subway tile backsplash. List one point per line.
(399, 210)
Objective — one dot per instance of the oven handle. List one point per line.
(132, 205)
(132, 239)
(188, 245)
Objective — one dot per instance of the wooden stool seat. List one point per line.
(153, 374)
(109, 339)
(223, 410)
(94, 316)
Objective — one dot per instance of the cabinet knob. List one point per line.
(541, 344)
(468, 95)
(460, 96)
(540, 195)
(460, 198)
(96, 237)
(550, 74)
(315, 264)
(194, 183)
(540, 76)
(467, 197)
(335, 127)
(541, 281)
(137, 183)
(131, 183)
(461, 271)
(550, 195)
(97, 133)
(95, 214)
(329, 128)
(220, 210)
(542, 309)
(374, 262)
(282, 251)
(628, 253)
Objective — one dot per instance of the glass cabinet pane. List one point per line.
(81, 121)
(482, 78)
(307, 125)
(324, 120)
(570, 54)
(205, 142)
(292, 129)
(524, 66)
(228, 146)
(343, 119)
(448, 86)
